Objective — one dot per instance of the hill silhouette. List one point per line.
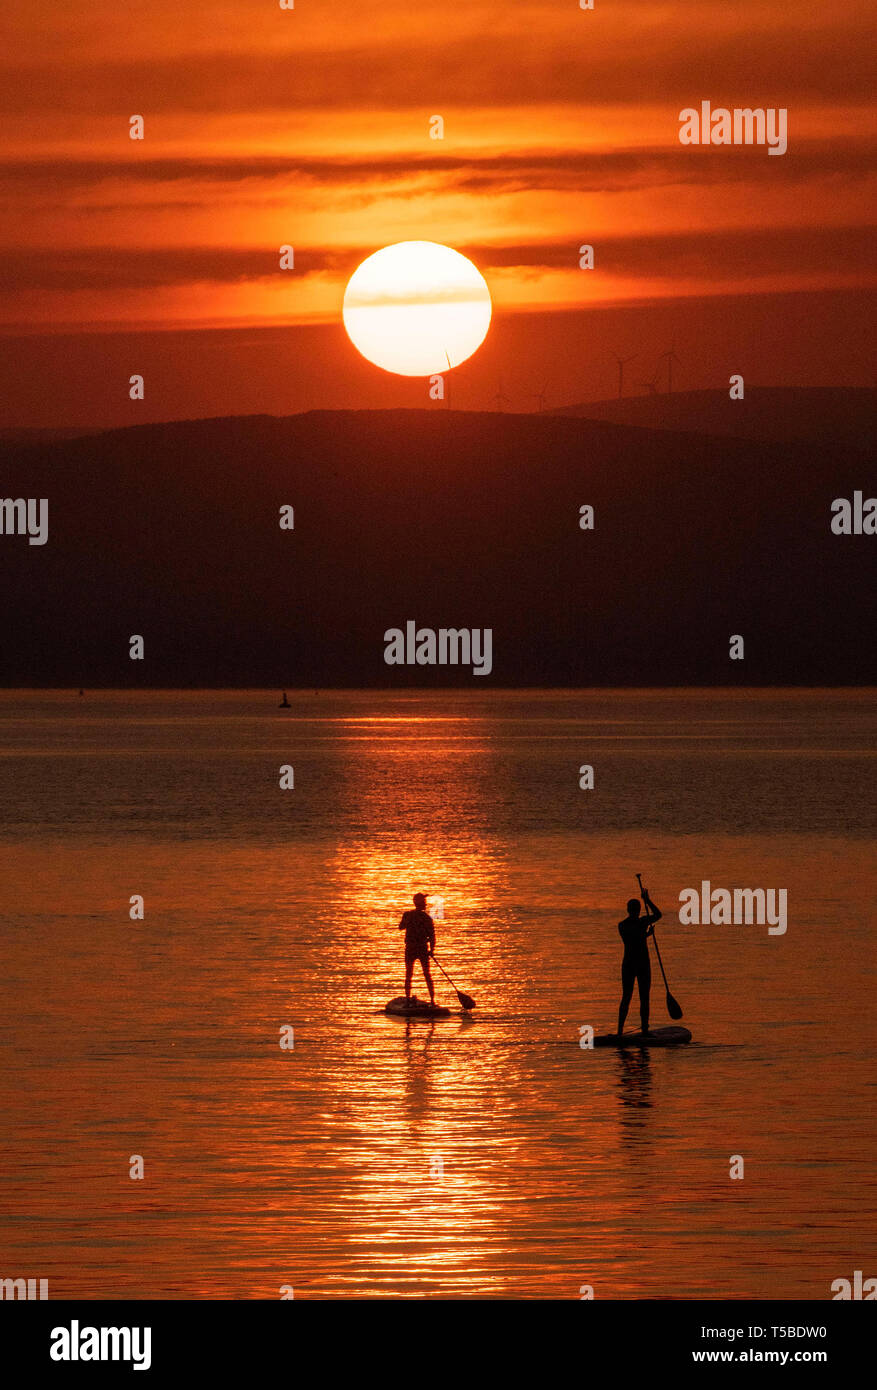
(830, 414)
(451, 519)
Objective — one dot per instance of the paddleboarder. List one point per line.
(636, 967)
(419, 930)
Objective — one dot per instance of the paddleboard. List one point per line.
(415, 1008)
(659, 1037)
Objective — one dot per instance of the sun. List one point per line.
(416, 308)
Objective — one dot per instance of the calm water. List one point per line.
(314, 1167)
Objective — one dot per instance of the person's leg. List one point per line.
(627, 979)
(644, 977)
(424, 965)
(409, 969)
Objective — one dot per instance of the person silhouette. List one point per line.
(636, 968)
(419, 930)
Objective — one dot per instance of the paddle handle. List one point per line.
(465, 999)
(674, 1008)
(642, 893)
(660, 962)
(442, 969)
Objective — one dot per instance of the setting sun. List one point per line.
(416, 308)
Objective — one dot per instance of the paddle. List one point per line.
(466, 1000)
(673, 1008)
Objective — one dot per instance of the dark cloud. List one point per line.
(581, 171)
(566, 64)
(705, 256)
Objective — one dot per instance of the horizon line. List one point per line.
(439, 410)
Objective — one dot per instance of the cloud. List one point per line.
(589, 170)
(712, 255)
(639, 61)
(705, 256)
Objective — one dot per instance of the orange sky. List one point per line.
(311, 127)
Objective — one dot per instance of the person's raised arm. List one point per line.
(655, 913)
(403, 924)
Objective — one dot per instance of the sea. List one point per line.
(202, 1097)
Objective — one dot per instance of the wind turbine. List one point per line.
(671, 357)
(500, 398)
(652, 385)
(622, 363)
(540, 397)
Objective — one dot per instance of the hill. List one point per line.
(834, 415)
(450, 519)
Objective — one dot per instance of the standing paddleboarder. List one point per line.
(636, 967)
(419, 930)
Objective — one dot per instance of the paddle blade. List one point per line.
(467, 1002)
(673, 1008)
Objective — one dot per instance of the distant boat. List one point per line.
(284, 703)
